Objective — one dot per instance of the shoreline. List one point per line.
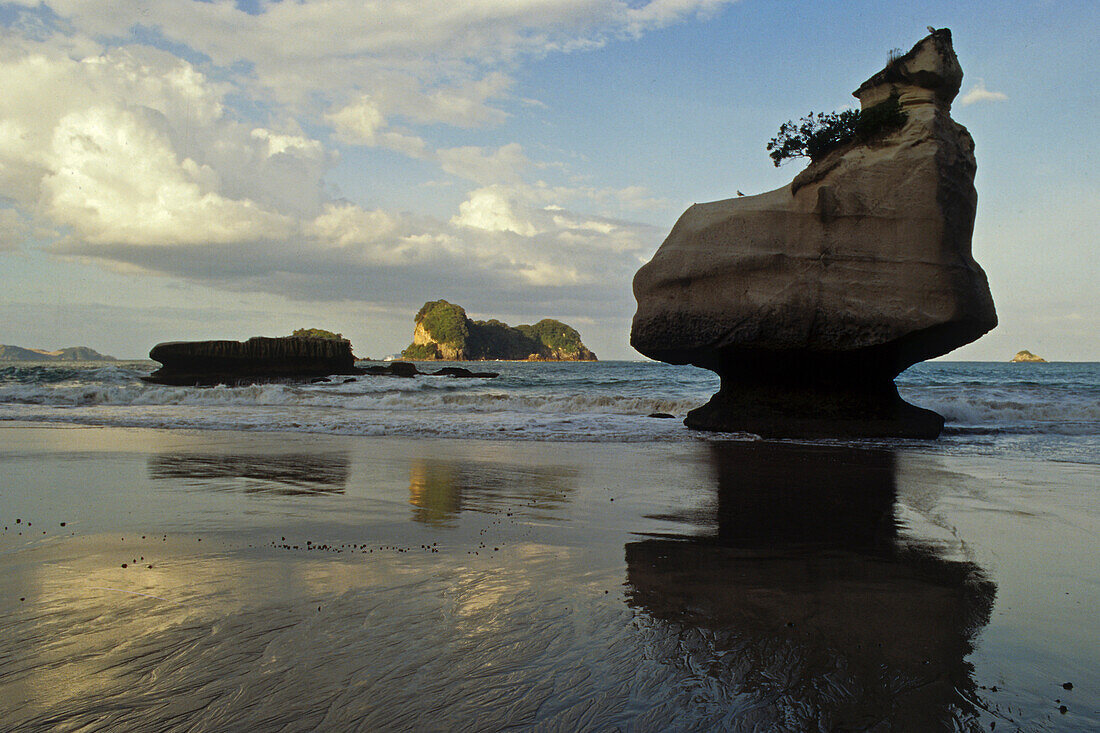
(553, 577)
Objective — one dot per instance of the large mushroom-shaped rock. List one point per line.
(809, 300)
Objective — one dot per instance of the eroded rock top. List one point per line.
(866, 256)
(931, 65)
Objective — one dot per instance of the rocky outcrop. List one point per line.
(1027, 357)
(809, 300)
(443, 332)
(204, 363)
(255, 360)
(405, 369)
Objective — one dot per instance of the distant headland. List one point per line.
(443, 332)
(1027, 356)
(72, 353)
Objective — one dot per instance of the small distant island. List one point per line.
(72, 353)
(443, 332)
(1027, 356)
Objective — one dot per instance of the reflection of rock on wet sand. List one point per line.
(282, 473)
(440, 490)
(806, 606)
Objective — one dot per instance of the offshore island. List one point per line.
(443, 332)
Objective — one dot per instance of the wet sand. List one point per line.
(175, 580)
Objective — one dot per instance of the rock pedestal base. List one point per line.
(811, 410)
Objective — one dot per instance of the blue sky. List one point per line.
(173, 169)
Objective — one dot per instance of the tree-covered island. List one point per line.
(443, 332)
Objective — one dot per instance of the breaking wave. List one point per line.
(995, 410)
(605, 401)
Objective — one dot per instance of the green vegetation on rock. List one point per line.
(421, 352)
(558, 337)
(446, 322)
(1027, 356)
(318, 333)
(444, 332)
(816, 135)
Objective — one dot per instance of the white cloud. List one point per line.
(660, 13)
(295, 144)
(116, 178)
(978, 93)
(545, 243)
(135, 146)
(494, 209)
(503, 165)
(13, 229)
(345, 224)
(362, 123)
(201, 168)
(464, 104)
(432, 60)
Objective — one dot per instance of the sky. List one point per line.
(184, 169)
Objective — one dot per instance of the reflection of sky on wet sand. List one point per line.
(746, 591)
(440, 490)
(287, 473)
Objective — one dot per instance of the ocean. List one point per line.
(1049, 411)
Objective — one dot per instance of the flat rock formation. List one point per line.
(443, 332)
(809, 300)
(256, 360)
(72, 353)
(1027, 357)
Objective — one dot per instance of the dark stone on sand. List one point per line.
(1067, 686)
(664, 415)
(201, 363)
(814, 408)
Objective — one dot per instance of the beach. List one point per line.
(181, 579)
